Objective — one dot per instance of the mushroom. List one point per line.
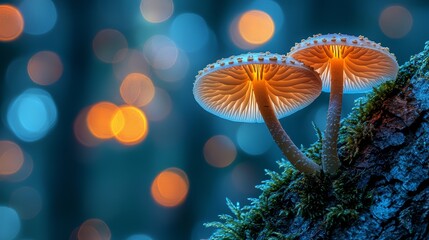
(258, 87)
(346, 64)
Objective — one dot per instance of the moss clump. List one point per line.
(349, 201)
(292, 204)
(314, 196)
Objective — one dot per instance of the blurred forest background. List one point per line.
(100, 136)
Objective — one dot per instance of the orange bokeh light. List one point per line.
(110, 46)
(94, 229)
(11, 23)
(137, 89)
(170, 187)
(219, 151)
(81, 130)
(23, 173)
(129, 125)
(11, 158)
(256, 27)
(99, 119)
(45, 67)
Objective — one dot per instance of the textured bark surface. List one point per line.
(384, 146)
(396, 162)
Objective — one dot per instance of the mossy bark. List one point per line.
(382, 190)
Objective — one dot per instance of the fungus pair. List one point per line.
(266, 87)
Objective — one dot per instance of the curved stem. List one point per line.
(330, 160)
(289, 149)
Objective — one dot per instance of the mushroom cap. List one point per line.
(225, 88)
(366, 63)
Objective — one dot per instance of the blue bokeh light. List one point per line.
(10, 224)
(139, 237)
(254, 139)
(32, 114)
(190, 32)
(40, 16)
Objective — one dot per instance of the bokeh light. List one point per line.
(255, 27)
(160, 106)
(170, 187)
(12, 23)
(139, 237)
(156, 11)
(82, 132)
(160, 52)
(129, 125)
(110, 46)
(45, 67)
(189, 31)
(32, 114)
(40, 16)
(219, 151)
(133, 62)
(137, 89)
(99, 119)
(11, 158)
(272, 8)
(27, 201)
(23, 173)
(176, 72)
(395, 21)
(10, 224)
(235, 36)
(254, 139)
(94, 229)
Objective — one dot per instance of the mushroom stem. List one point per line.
(330, 160)
(289, 149)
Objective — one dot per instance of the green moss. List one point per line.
(349, 199)
(338, 216)
(314, 196)
(289, 197)
(334, 202)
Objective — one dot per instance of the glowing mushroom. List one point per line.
(258, 87)
(346, 64)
